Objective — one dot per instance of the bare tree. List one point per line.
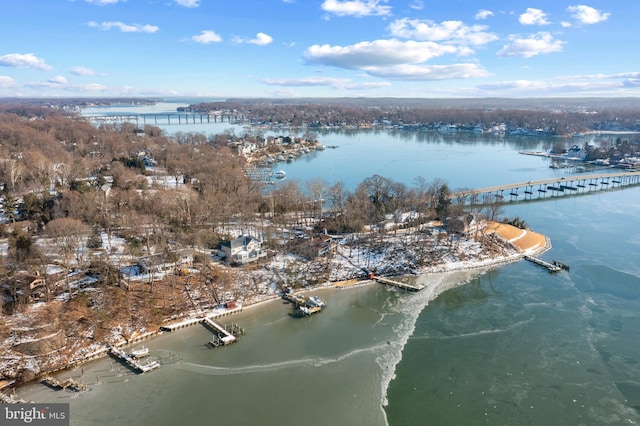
(69, 236)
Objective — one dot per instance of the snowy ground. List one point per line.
(354, 256)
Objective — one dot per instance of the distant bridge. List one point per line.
(546, 188)
(166, 118)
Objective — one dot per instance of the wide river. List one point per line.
(513, 345)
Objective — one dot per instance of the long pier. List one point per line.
(404, 286)
(546, 188)
(551, 267)
(166, 118)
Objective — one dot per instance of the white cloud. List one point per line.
(533, 17)
(587, 15)
(380, 53)
(125, 28)
(206, 37)
(515, 85)
(82, 71)
(551, 88)
(357, 8)
(455, 31)
(535, 44)
(58, 80)
(91, 87)
(429, 72)
(23, 60)
(104, 2)
(483, 14)
(305, 81)
(188, 3)
(6, 82)
(337, 83)
(394, 59)
(417, 5)
(78, 88)
(261, 39)
(606, 76)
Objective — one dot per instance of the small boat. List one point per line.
(315, 300)
(139, 353)
(280, 174)
(309, 310)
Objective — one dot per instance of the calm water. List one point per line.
(514, 345)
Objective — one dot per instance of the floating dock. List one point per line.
(404, 286)
(133, 363)
(551, 267)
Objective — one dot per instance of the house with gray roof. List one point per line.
(242, 250)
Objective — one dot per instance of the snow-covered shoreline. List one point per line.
(393, 258)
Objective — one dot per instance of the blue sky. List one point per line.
(327, 48)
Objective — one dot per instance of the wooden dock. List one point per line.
(404, 286)
(198, 320)
(221, 336)
(306, 306)
(66, 384)
(133, 363)
(551, 267)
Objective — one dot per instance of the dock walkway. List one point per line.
(404, 286)
(552, 267)
(221, 337)
(215, 313)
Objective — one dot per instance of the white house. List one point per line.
(244, 249)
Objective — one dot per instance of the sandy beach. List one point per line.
(528, 242)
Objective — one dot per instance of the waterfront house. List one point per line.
(465, 225)
(317, 246)
(242, 250)
(577, 152)
(158, 266)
